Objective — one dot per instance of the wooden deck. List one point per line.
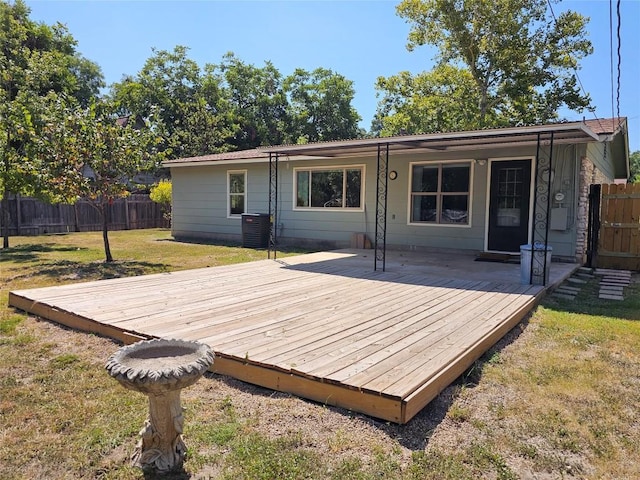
(381, 343)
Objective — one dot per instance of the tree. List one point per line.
(320, 106)
(521, 60)
(257, 102)
(444, 99)
(90, 156)
(233, 105)
(161, 193)
(634, 167)
(188, 104)
(38, 67)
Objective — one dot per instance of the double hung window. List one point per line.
(236, 193)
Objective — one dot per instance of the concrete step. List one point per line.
(619, 273)
(564, 296)
(568, 289)
(577, 281)
(586, 276)
(605, 296)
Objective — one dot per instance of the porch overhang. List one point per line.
(564, 133)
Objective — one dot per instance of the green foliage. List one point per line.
(444, 99)
(185, 104)
(520, 59)
(233, 105)
(257, 102)
(39, 67)
(634, 167)
(89, 155)
(320, 106)
(161, 193)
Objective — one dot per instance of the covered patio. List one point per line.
(323, 326)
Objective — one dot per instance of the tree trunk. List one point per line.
(105, 232)
(6, 218)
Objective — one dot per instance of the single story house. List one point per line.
(487, 190)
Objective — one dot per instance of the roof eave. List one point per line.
(434, 138)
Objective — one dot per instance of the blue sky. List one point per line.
(359, 39)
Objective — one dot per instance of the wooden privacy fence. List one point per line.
(29, 216)
(618, 243)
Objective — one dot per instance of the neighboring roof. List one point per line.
(563, 133)
(124, 121)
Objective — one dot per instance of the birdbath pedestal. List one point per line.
(160, 368)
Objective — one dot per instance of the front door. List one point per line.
(509, 195)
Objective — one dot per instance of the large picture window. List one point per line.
(440, 193)
(329, 188)
(237, 192)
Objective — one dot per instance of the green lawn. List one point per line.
(559, 397)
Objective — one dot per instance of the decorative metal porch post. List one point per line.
(381, 207)
(273, 205)
(541, 210)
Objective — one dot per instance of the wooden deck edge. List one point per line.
(325, 393)
(71, 320)
(419, 399)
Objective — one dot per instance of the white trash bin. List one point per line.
(525, 264)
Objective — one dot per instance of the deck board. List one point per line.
(319, 326)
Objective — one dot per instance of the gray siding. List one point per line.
(200, 202)
(600, 156)
(566, 167)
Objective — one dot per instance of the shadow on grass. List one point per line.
(195, 241)
(29, 252)
(230, 244)
(174, 475)
(69, 270)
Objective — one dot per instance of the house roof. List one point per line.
(246, 155)
(606, 125)
(563, 133)
(570, 132)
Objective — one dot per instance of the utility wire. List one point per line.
(611, 56)
(575, 70)
(619, 61)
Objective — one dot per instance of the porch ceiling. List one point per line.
(456, 141)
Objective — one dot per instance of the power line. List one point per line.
(619, 61)
(575, 70)
(611, 55)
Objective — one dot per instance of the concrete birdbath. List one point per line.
(160, 368)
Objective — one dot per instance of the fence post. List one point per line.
(18, 215)
(127, 224)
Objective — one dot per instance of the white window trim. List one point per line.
(362, 167)
(246, 203)
(532, 195)
(471, 163)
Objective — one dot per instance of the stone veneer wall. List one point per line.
(589, 175)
